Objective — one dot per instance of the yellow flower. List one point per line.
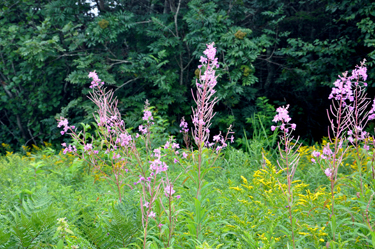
(244, 180)
(302, 233)
(236, 188)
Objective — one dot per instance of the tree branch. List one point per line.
(129, 81)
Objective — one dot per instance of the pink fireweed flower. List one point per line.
(157, 152)
(116, 156)
(157, 166)
(160, 225)
(147, 116)
(146, 204)
(366, 147)
(217, 138)
(142, 129)
(282, 115)
(96, 82)
(175, 146)
(327, 151)
(166, 146)
(203, 60)
(169, 190)
(87, 147)
(178, 196)
(232, 139)
(70, 149)
(184, 155)
(210, 52)
(184, 126)
(273, 128)
(328, 172)
(342, 90)
(204, 97)
(152, 214)
(175, 160)
(360, 72)
(316, 154)
(313, 160)
(124, 139)
(63, 122)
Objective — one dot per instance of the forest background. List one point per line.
(271, 53)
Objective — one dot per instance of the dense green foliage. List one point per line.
(286, 51)
(57, 204)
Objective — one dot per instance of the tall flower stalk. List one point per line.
(360, 116)
(201, 118)
(288, 154)
(205, 101)
(348, 117)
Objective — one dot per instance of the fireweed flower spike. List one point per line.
(204, 98)
(347, 114)
(202, 115)
(288, 153)
(184, 130)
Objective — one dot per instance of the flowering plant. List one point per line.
(118, 148)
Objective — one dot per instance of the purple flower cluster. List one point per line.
(96, 82)
(169, 191)
(328, 172)
(357, 134)
(184, 126)
(327, 154)
(147, 115)
(64, 122)
(124, 139)
(342, 89)
(70, 148)
(158, 166)
(283, 116)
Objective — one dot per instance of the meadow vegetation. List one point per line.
(120, 187)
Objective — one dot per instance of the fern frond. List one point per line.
(34, 222)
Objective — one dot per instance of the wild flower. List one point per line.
(152, 214)
(169, 190)
(347, 114)
(204, 98)
(290, 158)
(184, 126)
(328, 172)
